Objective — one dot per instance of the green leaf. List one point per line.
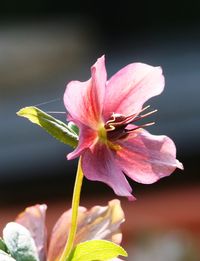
(53, 126)
(5, 257)
(20, 243)
(96, 250)
(3, 246)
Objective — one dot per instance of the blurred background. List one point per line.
(44, 45)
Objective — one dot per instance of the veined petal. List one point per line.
(87, 137)
(146, 158)
(84, 100)
(60, 233)
(99, 222)
(99, 78)
(131, 87)
(99, 164)
(33, 218)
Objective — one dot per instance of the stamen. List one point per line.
(113, 116)
(116, 125)
(148, 113)
(141, 126)
(139, 117)
(145, 108)
(148, 124)
(118, 120)
(110, 128)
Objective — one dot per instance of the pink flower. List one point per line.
(109, 143)
(99, 222)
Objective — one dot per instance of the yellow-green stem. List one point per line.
(75, 205)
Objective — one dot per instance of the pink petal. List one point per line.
(99, 78)
(131, 87)
(84, 100)
(33, 218)
(87, 137)
(97, 223)
(99, 164)
(60, 233)
(101, 223)
(146, 158)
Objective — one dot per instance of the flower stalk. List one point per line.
(74, 219)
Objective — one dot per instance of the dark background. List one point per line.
(45, 44)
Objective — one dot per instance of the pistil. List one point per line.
(116, 125)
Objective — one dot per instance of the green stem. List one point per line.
(75, 205)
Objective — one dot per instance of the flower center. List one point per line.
(102, 134)
(116, 127)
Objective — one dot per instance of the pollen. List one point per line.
(113, 146)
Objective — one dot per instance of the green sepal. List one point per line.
(73, 127)
(96, 250)
(53, 126)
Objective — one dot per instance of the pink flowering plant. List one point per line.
(105, 132)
